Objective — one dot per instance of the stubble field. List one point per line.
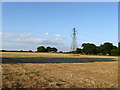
(54, 70)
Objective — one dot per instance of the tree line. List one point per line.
(104, 49)
(87, 48)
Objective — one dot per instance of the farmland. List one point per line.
(55, 70)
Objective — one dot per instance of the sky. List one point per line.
(27, 25)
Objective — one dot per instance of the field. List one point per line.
(53, 70)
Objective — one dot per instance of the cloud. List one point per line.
(27, 39)
(7, 35)
(11, 35)
(25, 35)
(46, 33)
(38, 40)
(58, 37)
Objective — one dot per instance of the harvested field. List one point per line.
(52, 70)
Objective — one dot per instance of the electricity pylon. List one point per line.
(74, 42)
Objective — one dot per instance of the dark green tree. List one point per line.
(54, 49)
(30, 51)
(98, 49)
(114, 47)
(89, 48)
(106, 48)
(78, 50)
(114, 52)
(49, 49)
(41, 49)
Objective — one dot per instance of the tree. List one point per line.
(54, 49)
(78, 50)
(49, 49)
(30, 51)
(106, 48)
(60, 52)
(114, 52)
(89, 48)
(3, 50)
(114, 47)
(98, 50)
(41, 49)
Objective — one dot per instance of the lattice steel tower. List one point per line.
(74, 42)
